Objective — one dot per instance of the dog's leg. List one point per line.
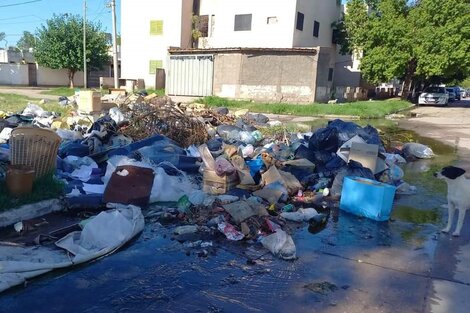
(459, 222)
(450, 218)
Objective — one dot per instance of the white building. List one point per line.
(150, 27)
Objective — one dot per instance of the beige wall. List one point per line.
(264, 76)
(50, 77)
(138, 46)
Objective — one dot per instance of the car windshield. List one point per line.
(450, 90)
(434, 90)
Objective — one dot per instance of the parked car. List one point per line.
(457, 92)
(464, 93)
(451, 92)
(434, 95)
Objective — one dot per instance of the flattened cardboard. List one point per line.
(364, 153)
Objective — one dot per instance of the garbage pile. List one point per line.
(212, 173)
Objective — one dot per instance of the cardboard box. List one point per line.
(89, 101)
(214, 184)
(366, 197)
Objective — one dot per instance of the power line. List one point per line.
(20, 3)
(14, 18)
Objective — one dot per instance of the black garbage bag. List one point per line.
(352, 169)
(324, 139)
(346, 130)
(371, 136)
(335, 164)
(303, 152)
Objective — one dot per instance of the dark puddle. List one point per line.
(158, 274)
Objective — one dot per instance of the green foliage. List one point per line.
(466, 83)
(362, 109)
(60, 45)
(26, 41)
(427, 40)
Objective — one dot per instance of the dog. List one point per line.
(458, 195)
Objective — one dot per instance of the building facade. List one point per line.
(151, 27)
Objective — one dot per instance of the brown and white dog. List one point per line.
(458, 195)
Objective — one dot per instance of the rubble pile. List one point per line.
(210, 172)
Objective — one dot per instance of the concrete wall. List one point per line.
(324, 87)
(13, 74)
(277, 34)
(266, 76)
(139, 47)
(50, 77)
(17, 74)
(323, 11)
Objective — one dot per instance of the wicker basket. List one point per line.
(35, 147)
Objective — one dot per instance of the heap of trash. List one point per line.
(211, 173)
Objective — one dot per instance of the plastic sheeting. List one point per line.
(104, 234)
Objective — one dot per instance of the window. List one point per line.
(156, 28)
(300, 21)
(202, 25)
(330, 74)
(242, 22)
(153, 65)
(271, 20)
(316, 28)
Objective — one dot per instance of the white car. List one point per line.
(434, 95)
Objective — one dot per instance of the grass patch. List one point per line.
(14, 103)
(159, 92)
(44, 188)
(363, 109)
(60, 91)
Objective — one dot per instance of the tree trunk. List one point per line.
(71, 75)
(409, 75)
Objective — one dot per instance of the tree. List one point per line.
(425, 40)
(27, 41)
(60, 45)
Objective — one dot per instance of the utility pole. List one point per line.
(115, 52)
(84, 47)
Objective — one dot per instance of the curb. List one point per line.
(30, 211)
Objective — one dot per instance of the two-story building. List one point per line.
(277, 50)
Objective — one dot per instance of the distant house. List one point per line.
(274, 50)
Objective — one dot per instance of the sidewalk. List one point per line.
(31, 92)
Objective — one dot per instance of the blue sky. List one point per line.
(29, 16)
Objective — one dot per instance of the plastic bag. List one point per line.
(230, 231)
(325, 140)
(352, 169)
(280, 244)
(223, 167)
(302, 215)
(417, 150)
(168, 188)
(229, 132)
(34, 110)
